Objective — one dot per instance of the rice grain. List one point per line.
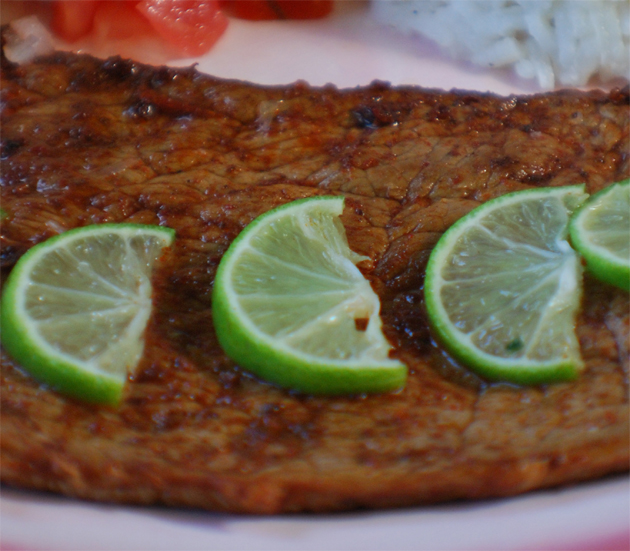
(556, 42)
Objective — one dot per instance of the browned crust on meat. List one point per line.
(87, 141)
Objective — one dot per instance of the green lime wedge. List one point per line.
(75, 307)
(503, 287)
(600, 231)
(290, 305)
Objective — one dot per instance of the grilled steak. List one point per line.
(87, 141)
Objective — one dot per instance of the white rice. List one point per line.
(556, 42)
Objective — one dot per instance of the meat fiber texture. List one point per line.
(87, 141)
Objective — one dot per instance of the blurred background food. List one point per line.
(566, 42)
(550, 42)
(176, 28)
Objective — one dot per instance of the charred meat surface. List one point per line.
(87, 141)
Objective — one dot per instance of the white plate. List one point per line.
(347, 50)
(592, 516)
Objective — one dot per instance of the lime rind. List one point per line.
(286, 296)
(52, 368)
(304, 373)
(517, 259)
(600, 231)
(73, 368)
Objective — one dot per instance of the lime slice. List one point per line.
(75, 307)
(600, 231)
(503, 287)
(290, 305)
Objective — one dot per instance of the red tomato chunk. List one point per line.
(257, 10)
(191, 27)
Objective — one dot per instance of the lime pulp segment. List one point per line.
(75, 307)
(290, 305)
(600, 231)
(503, 287)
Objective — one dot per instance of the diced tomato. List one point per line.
(191, 26)
(119, 20)
(305, 9)
(72, 20)
(257, 10)
(253, 10)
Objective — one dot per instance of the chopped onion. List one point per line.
(27, 38)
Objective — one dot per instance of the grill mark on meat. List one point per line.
(112, 141)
